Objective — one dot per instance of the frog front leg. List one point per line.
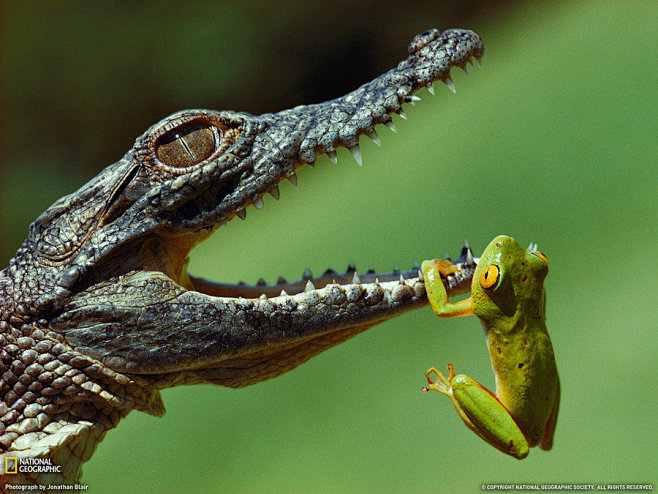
(433, 271)
(481, 411)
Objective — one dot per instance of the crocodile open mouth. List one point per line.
(390, 91)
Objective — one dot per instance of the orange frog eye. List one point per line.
(541, 256)
(489, 277)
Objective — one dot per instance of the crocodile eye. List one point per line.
(489, 277)
(541, 256)
(186, 145)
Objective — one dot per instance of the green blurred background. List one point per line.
(553, 141)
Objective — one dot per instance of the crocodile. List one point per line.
(98, 312)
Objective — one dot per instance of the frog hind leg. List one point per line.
(481, 412)
(549, 430)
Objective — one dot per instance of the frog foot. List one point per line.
(442, 383)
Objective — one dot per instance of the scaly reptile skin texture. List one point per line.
(97, 312)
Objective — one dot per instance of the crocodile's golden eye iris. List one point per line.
(186, 145)
(489, 277)
(541, 256)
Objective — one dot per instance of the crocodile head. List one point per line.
(101, 286)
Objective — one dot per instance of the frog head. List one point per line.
(509, 280)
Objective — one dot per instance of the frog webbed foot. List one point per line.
(442, 383)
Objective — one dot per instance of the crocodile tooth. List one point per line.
(465, 69)
(355, 279)
(356, 153)
(478, 61)
(391, 126)
(242, 214)
(401, 280)
(448, 82)
(402, 114)
(309, 286)
(375, 138)
(413, 97)
(263, 297)
(377, 281)
(274, 192)
(283, 294)
(292, 179)
(307, 274)
(259, 204)
(420, 276)
(469, 256)
(430, 88)
(332, 156)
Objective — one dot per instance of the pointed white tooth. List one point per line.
(448, 82)
(420, 276)
(259, 204)
(242, 214)
(391, 126)
(309, 286)
(375, 138)
(292, 179)
(414, 97)
(401, 280)
(356, 153)
(283, 293)
(402, 113)
(430, 88)
(355, 279)
(263, 297)
(274, 192)
(376, 281)
(465, 69)
(478, 61)
(332, 156)
(469, 257)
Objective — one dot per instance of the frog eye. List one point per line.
(489, 277)
(186, 145)
(541, 256)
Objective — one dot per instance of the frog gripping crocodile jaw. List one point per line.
(98, 313)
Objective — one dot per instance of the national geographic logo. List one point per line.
(30, 465)
(11, 465)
